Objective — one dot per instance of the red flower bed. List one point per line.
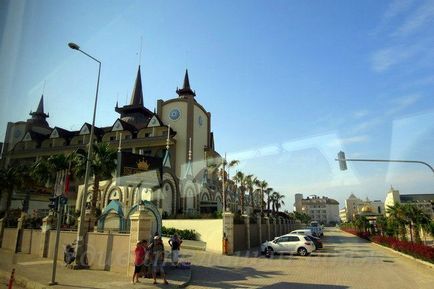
(416, 250)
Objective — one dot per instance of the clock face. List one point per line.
(174, 114)
(200, 120)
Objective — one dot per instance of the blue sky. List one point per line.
(288, 83)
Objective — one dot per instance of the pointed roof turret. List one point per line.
(40, 108)
(39, 117)
(137, 95)
(186, 90)
(135, 113)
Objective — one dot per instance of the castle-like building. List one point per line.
(177, 135)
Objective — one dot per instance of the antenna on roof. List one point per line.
(140, 52)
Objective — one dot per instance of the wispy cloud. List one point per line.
(402, 103)
(385, 58)
(367, 124)
(349, 140)
(421, 16)
(360, 113)
(396, 8)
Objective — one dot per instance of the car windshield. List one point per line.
(227, 123)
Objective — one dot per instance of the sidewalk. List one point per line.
(33, 272)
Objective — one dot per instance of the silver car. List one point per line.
(289, 243)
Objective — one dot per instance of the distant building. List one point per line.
(322, 209)
(423, 201)
(357, 207)
(351, 207)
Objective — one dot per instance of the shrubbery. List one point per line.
(183, 234)
(416, 250)
(413, 249)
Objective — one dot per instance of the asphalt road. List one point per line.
(345, 262)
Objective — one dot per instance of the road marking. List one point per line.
(35, 263)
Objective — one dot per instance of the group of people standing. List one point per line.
(151, 258)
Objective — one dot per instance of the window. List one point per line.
(112, 138)
(293, 239)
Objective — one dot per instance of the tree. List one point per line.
(268, 192)
(9, 181)
(241, 179)
(250, 183)
(102, 165)
(381, 223)
(302, 217)
(44, 171)
(262, 185)
(397, 219)
(277, 199)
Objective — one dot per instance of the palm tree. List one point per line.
(262, 185)
(268, 192)
(9, 181)
(250, 183)
(102, 165)
(397, 215)
(381, 223)
(223, 165)
(44, 171)
(277, 200)
(241, 179)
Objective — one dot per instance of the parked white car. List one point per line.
(307, 232)
(289, 243)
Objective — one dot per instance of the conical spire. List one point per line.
(39, 116)
(186, 90)
(40, 108)
(186, 80)
(137, 95)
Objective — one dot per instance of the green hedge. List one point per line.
(183, 234)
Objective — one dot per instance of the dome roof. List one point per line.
(366, 209)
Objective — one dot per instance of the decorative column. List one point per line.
(267, 227)
(228, 231)
(45, 235)
(247, 224)
(2, 229)
(275, 227)
(259, 222)
(141, 229)
(19, 232)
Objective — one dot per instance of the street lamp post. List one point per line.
(80, 260)
(343, 166)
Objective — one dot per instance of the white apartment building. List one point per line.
(322, 209)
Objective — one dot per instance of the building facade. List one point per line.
(423, 201)
(322, 209)
(357, 207)
(177, 134)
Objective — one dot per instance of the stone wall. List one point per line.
(9, 239)
(209, 231)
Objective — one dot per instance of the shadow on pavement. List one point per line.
(290, 285)
(220, 276)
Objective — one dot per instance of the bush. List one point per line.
(419, 251)
(416, 250)
(183, 234)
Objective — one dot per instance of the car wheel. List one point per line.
(302, 251)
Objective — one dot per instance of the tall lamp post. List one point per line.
(80, 260)
(343, 165)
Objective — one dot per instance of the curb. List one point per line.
(430, 265)
(23, 281)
